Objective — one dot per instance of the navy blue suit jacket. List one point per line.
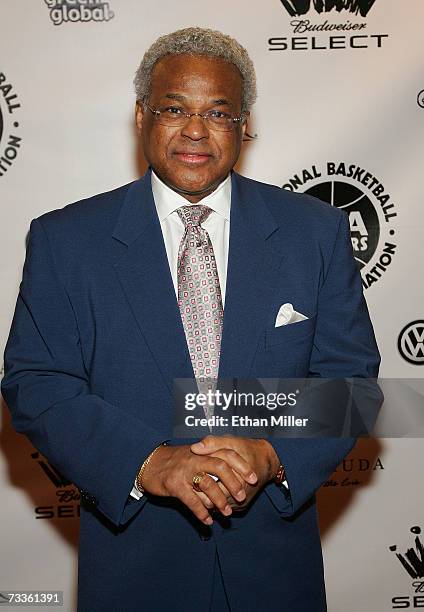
(95, 344)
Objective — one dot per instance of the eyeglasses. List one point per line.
(174, 116)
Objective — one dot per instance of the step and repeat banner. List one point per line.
(340, 115)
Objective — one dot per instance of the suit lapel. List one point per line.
(143, 271)
(253, 262)
(147, 283)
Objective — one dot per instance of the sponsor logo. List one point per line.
(10, 140)
(63, 11)
(411, 342)
(369, 207)
(412, 562)
(311, 32)
(295, 8)
(420, 99)
(351, 471)
(67, 501)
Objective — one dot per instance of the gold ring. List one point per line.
(197, 478)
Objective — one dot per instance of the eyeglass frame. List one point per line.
(235, 120)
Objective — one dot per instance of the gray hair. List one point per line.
(197, 41)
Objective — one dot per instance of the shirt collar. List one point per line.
(167, 201)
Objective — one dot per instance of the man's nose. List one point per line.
(195, 128)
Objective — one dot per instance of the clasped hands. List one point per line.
(243, 466)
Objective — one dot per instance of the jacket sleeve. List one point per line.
(93, 443)
(344, 347)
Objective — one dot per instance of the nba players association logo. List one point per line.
(295, 8)
(369, 206)
(10, 141)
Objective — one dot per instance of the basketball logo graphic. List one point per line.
(363, 218)
(369, 208)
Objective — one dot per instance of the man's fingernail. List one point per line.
(252, 477)
(241, 495)
(198, 445)
(209, 520)
(227, 510)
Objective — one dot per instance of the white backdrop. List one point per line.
(66, 132)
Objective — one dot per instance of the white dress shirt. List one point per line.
(217, 225)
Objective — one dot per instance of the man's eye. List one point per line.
(172, 110)
(216, 114)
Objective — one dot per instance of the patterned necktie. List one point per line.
(199, 297)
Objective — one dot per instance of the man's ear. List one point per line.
(139, 114)
(244, 124)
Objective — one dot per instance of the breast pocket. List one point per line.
(291, 334)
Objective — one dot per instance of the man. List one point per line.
(125, 292)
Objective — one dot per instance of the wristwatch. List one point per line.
(279, 477)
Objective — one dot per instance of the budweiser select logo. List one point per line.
(328, 25)
(295, 8)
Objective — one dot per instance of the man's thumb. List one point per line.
(200, 447)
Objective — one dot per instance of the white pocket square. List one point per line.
(287, 314)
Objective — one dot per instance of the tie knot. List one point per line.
(193, 216)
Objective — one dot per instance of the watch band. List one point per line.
(279, 477)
